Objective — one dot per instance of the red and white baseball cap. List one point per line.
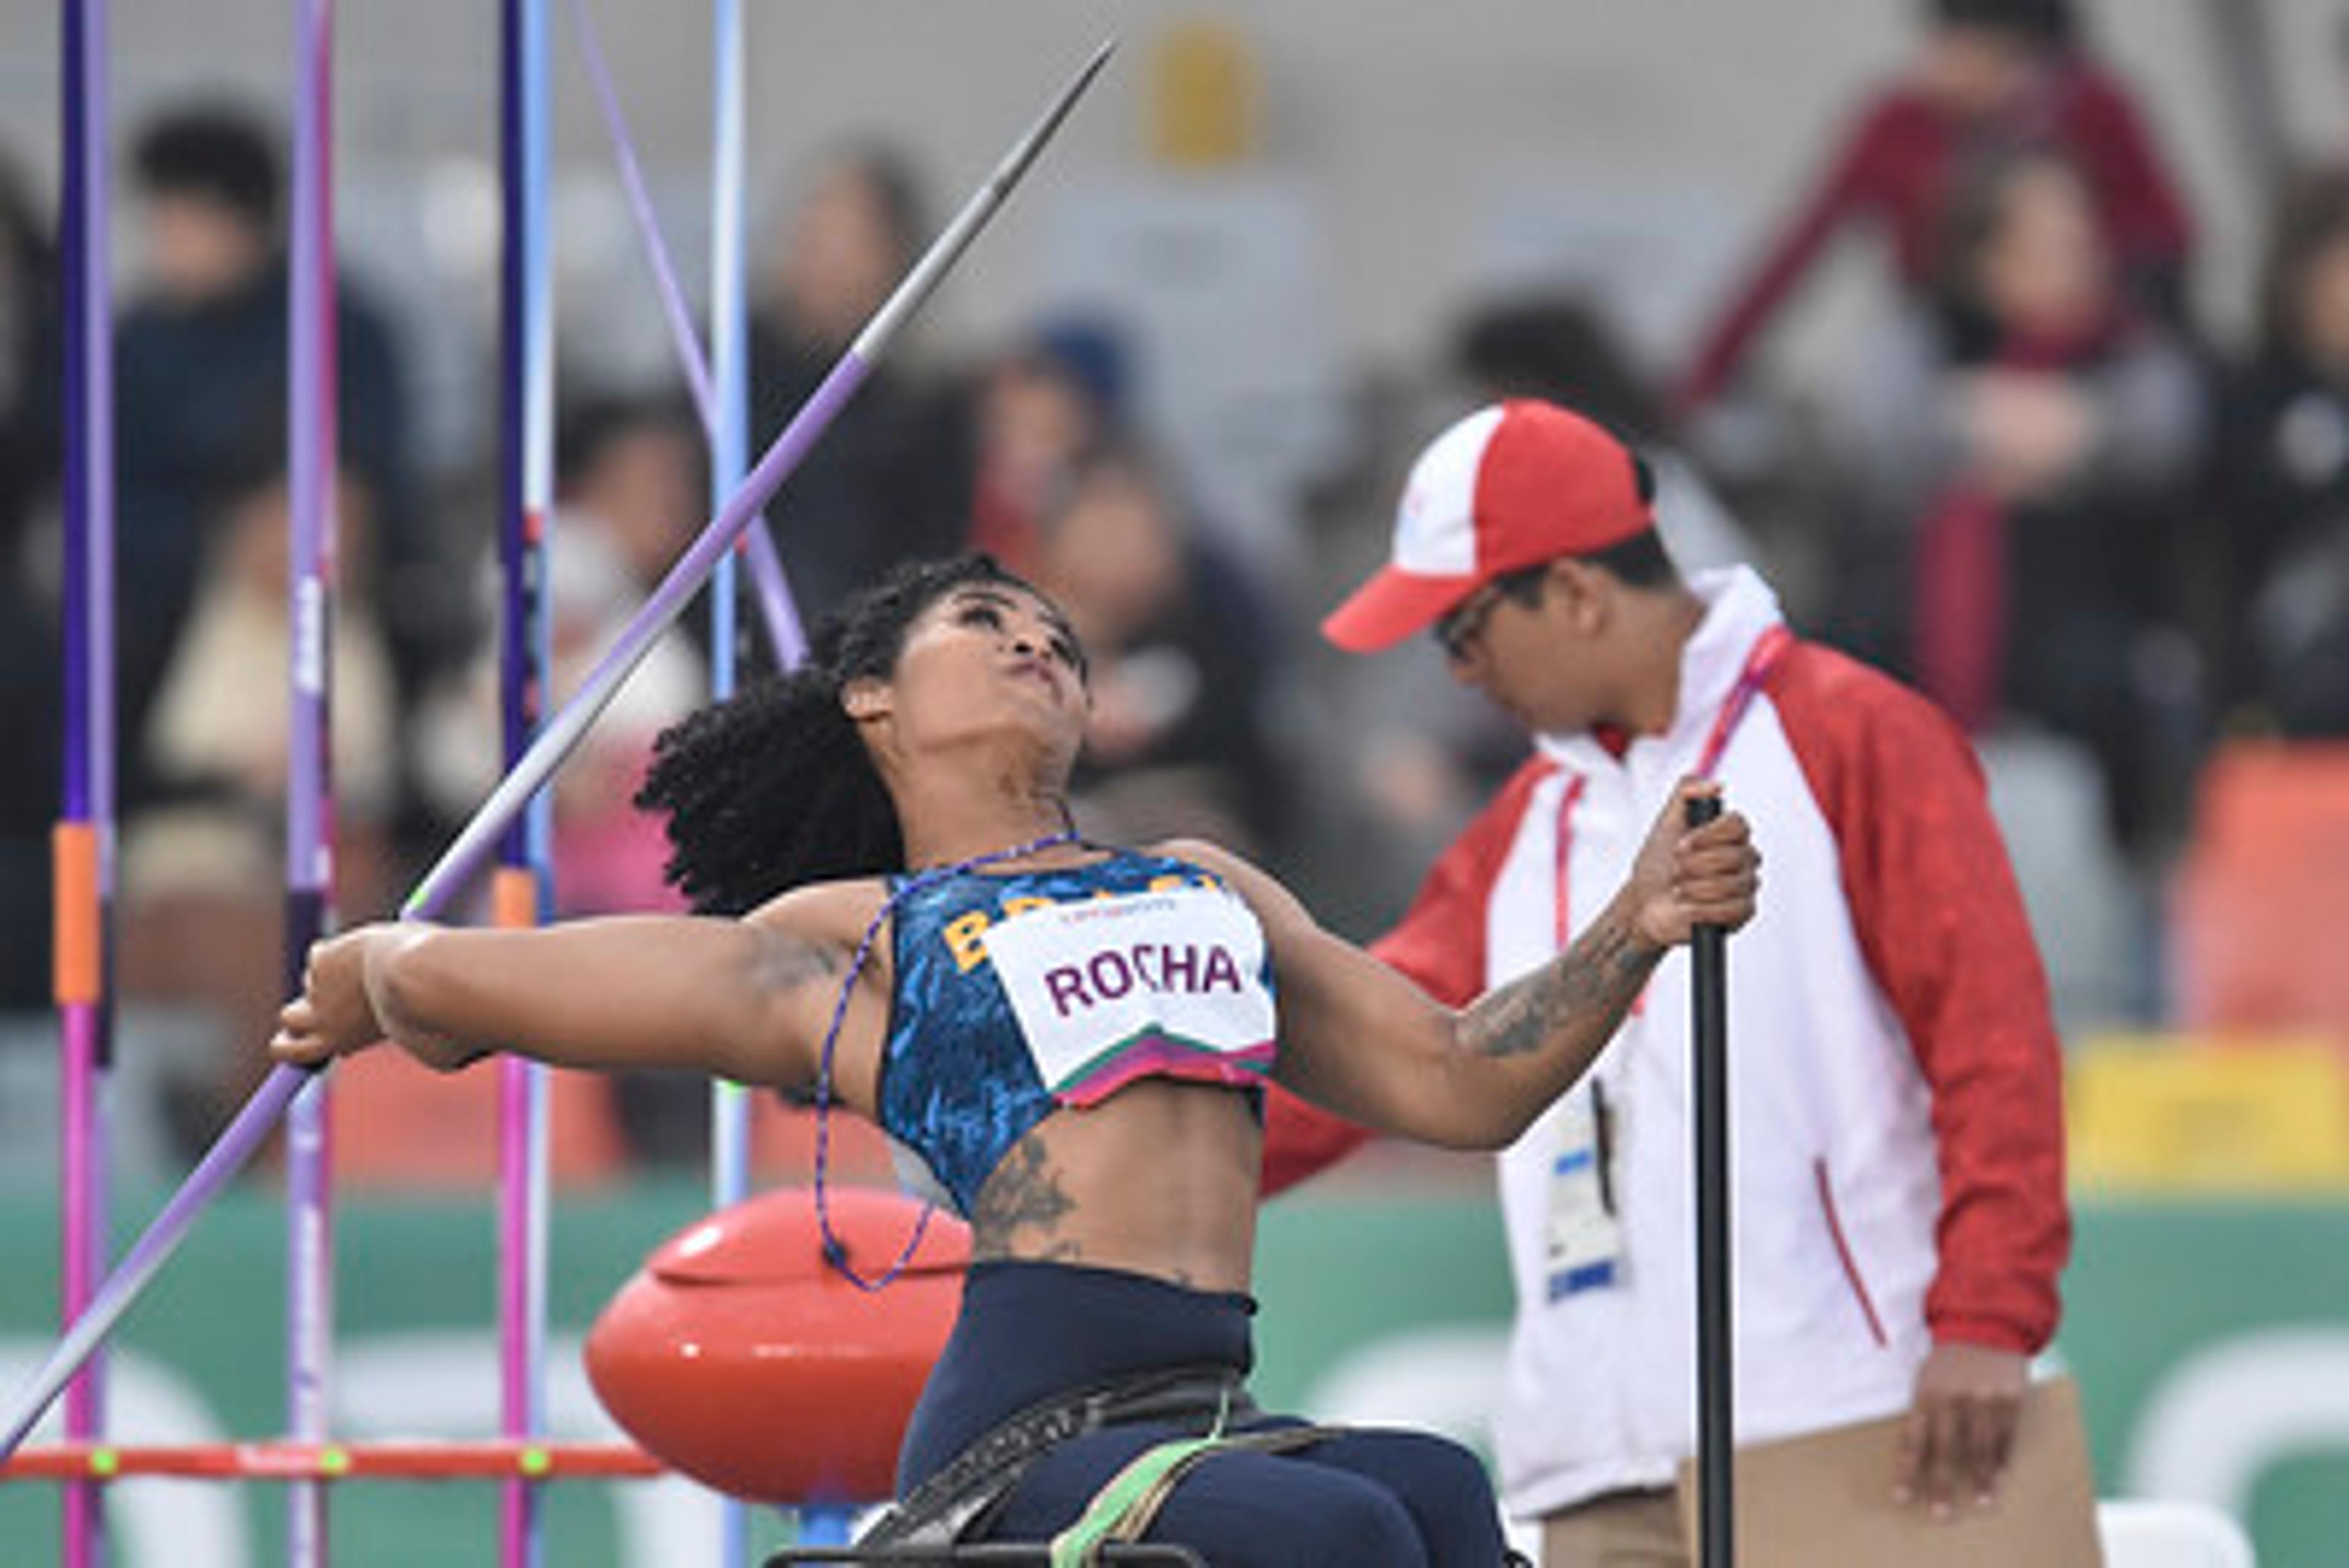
(1512, 485)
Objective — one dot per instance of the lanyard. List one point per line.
(1561, 928)
(1767, 649)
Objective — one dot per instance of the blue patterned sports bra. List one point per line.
(1018, 994)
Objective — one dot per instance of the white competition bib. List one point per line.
(1112, 989)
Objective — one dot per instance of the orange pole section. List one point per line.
(514, 897)
(78, 969)
(287, 1461)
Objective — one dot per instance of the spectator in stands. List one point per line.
(2281, 497)
(2012, 449)
(29, 359)
(29, 451)
(200, 386)
(1988, 75)
(204, 860)
(1043, 409)
(891, 479)
(1177, 742)
(633, 469)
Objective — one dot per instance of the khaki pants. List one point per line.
(1620, 1530)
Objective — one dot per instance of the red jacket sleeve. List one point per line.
(2144, 215)
(1851, 185)
(1440, 945)
(1942, 922)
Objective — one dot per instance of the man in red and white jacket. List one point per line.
(1896, 1136)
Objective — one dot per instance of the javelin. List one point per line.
(261, 1114)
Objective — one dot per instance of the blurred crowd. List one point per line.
(2040, 488)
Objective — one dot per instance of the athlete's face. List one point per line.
(984, 656)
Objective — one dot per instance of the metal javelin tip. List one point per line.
(983, 204)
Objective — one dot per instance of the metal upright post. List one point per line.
(1716, 1436)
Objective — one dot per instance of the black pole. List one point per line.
(1708, 950)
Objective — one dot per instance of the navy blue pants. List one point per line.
(1369, 1498)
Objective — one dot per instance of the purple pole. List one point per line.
(261, 1112)
(785, 636)
(526, 515)
(83, 838)
(311, 456)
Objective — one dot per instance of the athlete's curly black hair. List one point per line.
(773, 789)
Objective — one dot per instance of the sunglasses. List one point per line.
(1457, 629)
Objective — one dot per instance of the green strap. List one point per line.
(1123, 1509)
(1075, 1547)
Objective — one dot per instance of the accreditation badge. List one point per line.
(1582, 1240)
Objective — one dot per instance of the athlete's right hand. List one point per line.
(333, 1016)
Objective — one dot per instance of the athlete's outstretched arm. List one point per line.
(726, 997)
(1361, 1040)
